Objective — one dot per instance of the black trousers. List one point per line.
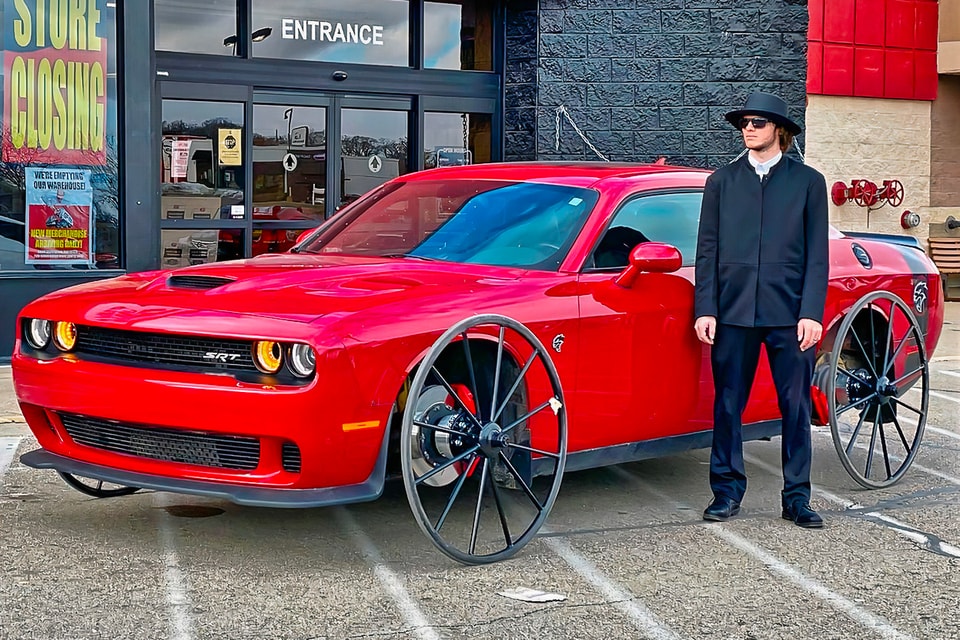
(734, 358)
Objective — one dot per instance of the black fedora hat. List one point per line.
(765, 104)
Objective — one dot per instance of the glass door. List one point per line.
(204, 146)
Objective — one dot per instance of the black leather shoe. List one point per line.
(803, 516)
(721, 509)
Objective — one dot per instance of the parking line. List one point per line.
(641, 617)
(175, 583)
(868, 620)
(8, 449)
(955, 374)
(388, 578)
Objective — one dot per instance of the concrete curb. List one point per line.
(12, 419)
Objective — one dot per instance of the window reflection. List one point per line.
(368, 32)
(196, 27)
(451, 139)
(458, 34)
(373, 150)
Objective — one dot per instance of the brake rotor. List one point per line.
(430, 448)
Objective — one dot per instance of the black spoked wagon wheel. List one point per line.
(96, 488)
(879, 389)
(484, 439)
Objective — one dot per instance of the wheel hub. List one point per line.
(886, 390)
(492, 439)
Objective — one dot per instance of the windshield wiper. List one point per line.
(410, 255)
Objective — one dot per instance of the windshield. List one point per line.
(492, 222)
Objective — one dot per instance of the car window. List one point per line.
(672, 218)
(500, 223)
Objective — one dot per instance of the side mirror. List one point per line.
(652, 257)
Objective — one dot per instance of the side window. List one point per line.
(672, 218)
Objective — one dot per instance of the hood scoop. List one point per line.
(197, 282)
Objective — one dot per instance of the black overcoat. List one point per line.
(763, 248)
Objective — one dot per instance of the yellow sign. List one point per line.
(229, 147)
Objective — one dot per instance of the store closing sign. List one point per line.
(54, 71)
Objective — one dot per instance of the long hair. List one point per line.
(785, 137)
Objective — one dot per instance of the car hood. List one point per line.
(287, 287)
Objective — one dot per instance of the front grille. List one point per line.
(290, 454)
(187, 447)
(215, 354)
(197, 282)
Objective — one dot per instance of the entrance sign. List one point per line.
(54, 83)
(323, 31)
(59, 227)
(229, 147)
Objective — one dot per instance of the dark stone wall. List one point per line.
(646, 78)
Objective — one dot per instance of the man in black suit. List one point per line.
(761, 278)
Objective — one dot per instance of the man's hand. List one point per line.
(808, 333)
(706, 328)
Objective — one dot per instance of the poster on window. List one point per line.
(59, 216)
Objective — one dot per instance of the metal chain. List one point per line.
(563, 110)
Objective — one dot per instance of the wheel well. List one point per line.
(453, 363)
(861, 324)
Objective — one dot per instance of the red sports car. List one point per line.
(472, 330)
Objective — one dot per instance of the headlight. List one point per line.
(303, 360)
(38, 333)
(267, 355)
(65, 335)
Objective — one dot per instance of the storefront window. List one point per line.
(196, 27)
(203, 174)
(367, 32)
(289, 173)
(59, 164)
(373, 150)
(451, 139)
(458, 34)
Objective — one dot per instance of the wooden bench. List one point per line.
(945, 253)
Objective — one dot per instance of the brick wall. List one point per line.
(872, 139)
(646, 78)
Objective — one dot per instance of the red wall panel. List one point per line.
(815, 68)
(873, 48)
(868, 72)
(901, 19)
(870, 22)
(898, 74)
(838, 21)
(838, 69)
(926, 26)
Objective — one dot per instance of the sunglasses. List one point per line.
(758, 123)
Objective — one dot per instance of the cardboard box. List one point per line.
(184, 247)
(190, 207)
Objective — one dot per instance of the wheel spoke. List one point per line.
(863, 350)
(889, 340)
(896, 352)
(496, 373)
(99, 485)
(857, 403)
(456, 491)
(873, 442)
(476, 514)
(452, 461)
(904, 378)
(886, 454)
(517, 476)
(473, 375)
(903, 438)
(853, 376)
(856, 432)
(456, 397)
(513, 388)
(496, 499)
(436, 427)
(901, 402)
(548, 454)
(510, 427)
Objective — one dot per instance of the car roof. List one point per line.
(571, 173)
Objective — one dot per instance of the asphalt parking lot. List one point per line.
(624, 546)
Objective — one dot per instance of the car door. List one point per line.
(642, 373)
